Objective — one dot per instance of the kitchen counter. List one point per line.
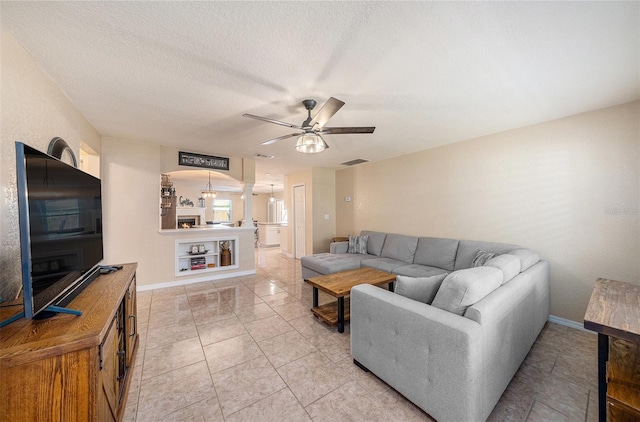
(206, 229)
(269, 234)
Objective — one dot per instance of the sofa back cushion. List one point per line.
(422, 289)
(508, 264)
(436, 252)
(527, 257)
(400, 247)
(375, 241)
(463, 288)
(468, 249)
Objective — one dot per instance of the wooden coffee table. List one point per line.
(339, 286)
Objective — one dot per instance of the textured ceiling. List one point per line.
(424, 73)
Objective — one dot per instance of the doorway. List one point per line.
(299, 221)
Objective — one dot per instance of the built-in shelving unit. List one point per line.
(198, 256)
(167, 203)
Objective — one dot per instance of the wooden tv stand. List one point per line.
(72, 368)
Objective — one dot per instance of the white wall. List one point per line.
(569, 189)
(33, 110)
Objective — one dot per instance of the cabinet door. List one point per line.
(108, 379)
(131, 323)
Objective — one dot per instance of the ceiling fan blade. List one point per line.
(280, 138)
(345, 130)
(265, 119)
(327, 110)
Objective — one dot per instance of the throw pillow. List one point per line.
(422, 289)
(357, 244)
(508, 264)
(482, 257)
(464, 288)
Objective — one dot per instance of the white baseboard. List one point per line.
(568, 323)
(193, 280)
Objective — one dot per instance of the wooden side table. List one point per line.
(614, 313)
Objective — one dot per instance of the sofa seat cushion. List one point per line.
(415, 270)
(463, 288)
(383, 264)
(422, 289)
(329, 263)
(400, 247)
(436, 252)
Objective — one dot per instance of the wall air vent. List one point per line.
(257, 154)
(354, 162)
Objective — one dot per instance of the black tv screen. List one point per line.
(60, 211)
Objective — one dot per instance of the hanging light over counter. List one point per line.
(209, 192)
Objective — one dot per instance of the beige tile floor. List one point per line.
(248, 349)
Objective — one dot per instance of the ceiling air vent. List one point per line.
(257, 154)
(354, 162)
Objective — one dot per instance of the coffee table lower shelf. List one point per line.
(329, 312)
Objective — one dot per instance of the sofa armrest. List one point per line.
(339, 247)
(431, 356)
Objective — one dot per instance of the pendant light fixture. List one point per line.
(272, 198)
(208, 192)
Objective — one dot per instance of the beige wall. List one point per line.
(259, 207)
(131, 209)
(569, 189)
(320, 191)
(33, 110)
(237, 166)
(324, 208)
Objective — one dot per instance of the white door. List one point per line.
(299, 222)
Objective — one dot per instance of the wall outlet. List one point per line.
(326, 216)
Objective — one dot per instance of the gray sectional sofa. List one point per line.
(454, 355)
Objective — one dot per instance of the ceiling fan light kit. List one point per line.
(310, 141)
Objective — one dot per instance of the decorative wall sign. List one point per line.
(204, 161)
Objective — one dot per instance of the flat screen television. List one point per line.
(60, 217)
